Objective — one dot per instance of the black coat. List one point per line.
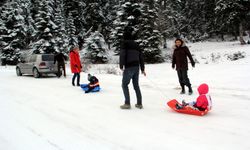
(180, 58)
(93, 80)
(131, 55)
(60, 58)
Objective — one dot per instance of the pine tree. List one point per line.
(149, 37)
(193, 20)
(193, 23)
(71, 31)
(61, 37)
(3, 31)
(45, 42)
(170, 16)
(15, 37)
(232, 15)
(95, 48)
(127, 15)
(74, 10)
(109, 9)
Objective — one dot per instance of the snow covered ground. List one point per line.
(50, 114)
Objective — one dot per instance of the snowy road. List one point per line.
(50, 114)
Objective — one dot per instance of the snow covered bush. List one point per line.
(236, 56)
(215, 57)
(112, 70)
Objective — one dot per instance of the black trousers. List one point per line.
(59, 66)
(183, 77)
(76, 75)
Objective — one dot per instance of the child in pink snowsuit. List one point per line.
(203, 101)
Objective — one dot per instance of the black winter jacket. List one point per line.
(180, 58)
(60, 58)
(131, 55)
(93, 80)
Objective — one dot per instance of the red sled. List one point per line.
(185, 110)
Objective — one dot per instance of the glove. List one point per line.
(193, 64)
(75, 66)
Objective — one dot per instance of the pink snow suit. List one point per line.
(204, 101)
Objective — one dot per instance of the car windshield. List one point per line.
(47, 57)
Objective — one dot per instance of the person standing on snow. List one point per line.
(180, 62)
(60, 59)
(75, 65)
(131, 60)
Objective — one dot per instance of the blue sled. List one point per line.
(85, 88)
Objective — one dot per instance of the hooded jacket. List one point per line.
(93, 81)
(203, 101)
(75, 63)
(180, 57)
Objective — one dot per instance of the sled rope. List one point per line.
(158, 89)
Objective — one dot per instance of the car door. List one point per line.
(23, 65)
(31, 63)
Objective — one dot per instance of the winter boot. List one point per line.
(139, 106)
(178, 106)
(190, 90)
(184, 103)
(73, 83)
(125, 106)
(182, 89)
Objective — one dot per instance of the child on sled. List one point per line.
(93, 83)
(203, 101)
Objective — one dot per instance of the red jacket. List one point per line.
(204, 101)
(75, 63)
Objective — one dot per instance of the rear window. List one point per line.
(47, 57)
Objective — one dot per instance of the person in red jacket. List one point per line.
(75, 65)
(203, 101)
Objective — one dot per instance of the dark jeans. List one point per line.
(128, 74)
(183, 77)
(90, 88)
(78, 78)
(59, 66)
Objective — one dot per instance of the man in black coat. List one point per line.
(60, 59)
(131, 61)
(180, 62)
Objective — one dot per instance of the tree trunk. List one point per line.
(165, 4)
(222, 36)
(241, 34)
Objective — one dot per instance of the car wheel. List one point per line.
(18, 71)
(36, 73)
